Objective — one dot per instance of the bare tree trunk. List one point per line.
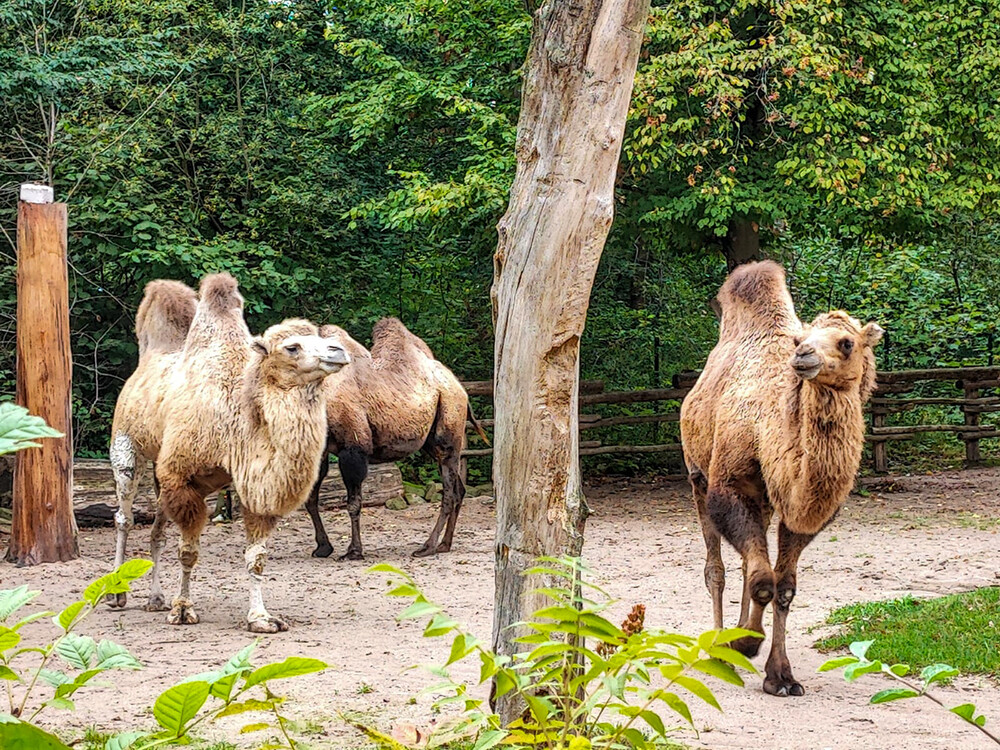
(742, 244)
(43, 527)
(577, 87)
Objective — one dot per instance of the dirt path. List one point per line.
(922, 535)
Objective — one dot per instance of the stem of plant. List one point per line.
(281, 725)
(937, 700)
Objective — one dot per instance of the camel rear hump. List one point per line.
(164, 316)
(390, 335)
(755, 299)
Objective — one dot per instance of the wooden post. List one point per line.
(972, 455)
(43, 527)
(577, 86)
(880, 451)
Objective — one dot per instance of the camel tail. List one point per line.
(164, 316)
(475, 423)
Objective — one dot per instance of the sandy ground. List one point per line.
(924, 535)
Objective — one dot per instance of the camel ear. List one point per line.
(259, 346)
(716, 307)
(872, 334)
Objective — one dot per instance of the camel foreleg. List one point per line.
(353, 462)
(778, 670)
(128, 469)
(258, 531)
(323, 546)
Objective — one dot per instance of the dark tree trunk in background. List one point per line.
(577, 87)
(742, 243)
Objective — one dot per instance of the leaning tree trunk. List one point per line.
(578, 82)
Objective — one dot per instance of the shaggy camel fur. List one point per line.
(392, 402)
(774, 424)
(241, 410)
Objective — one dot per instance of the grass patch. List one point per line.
(962, 630)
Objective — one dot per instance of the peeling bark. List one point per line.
(577, 87)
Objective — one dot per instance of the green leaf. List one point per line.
(53, 678)
(719, 669)
(860, 648)
(117, 581)
(837, 663)
(8, 638)
(677, 705)
(242, 707)
(900, 670)
(893, 694)
(20, 735)
(854, 671)
(64, 704)
(68, 616)
(937, 673)
(178, 705)
(419, 608)
(257, 727)
(293, 666)
(6, 673)
(19, 429)
(12, 600)
(698, 688)
(489, 738)
(967, 711)
(111, 655)
(77, 650)
(123, 740)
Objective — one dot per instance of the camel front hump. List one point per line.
(776, 418)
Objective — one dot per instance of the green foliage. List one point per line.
(82, 655)
(19, 429)
(236, 688)
(859, 664)
(584, 681)
(962, 629)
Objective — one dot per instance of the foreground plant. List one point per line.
(237, 688)
(610, 695)
(20, 430)
(858, 664)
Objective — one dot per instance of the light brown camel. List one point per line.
(241, 410)
(392, 402)
(774, 424)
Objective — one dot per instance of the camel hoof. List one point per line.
(748, 645)
(783, 688)
(424, 551)
(116, 601)
(324, 550)
(182, 614)
(156, 603)
(443, 548)
(351, 554)
(267, 625)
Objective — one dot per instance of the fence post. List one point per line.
(880, 452)
(972, 456)
(43, 527)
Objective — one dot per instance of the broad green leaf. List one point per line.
(967, 711)
(937, 673)
(68, 688)
(242, 707)
(77, 650)
(837, 663)
(860, 648)
(677, 705)
(293, 666)
(20, 735)
(893, 694)
(6, 673)
(178, 705)
(419, 608)
(718, 669)
(112, 655)
(698, 688)
(12, 600)
(19, 429)
(8, 638)
(64, 704)
(854, 671)
(124, 740)
(734, 657)
(68, 616)
(900, 670)
(489, 738)
(53, 677)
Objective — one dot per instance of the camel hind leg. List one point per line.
(353, 462)
(128, 468)
(185, 506)
(157, 539)
(444, 445)
(715, 569)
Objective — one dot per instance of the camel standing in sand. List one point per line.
(234, 409)
(392, 402)
(774, 424)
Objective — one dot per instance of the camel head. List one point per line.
(835, 351)
(294, 354)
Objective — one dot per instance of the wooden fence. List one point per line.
(898, 392)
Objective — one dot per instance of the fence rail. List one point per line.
(891, 399)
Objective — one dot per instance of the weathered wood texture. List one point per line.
(43, 528)
(94, 491)
(577, 85)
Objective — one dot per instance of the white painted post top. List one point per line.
(32, 193)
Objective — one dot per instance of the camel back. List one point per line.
(390, 338)
(164, 316)
(754, 300)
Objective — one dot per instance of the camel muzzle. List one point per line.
(334, 359)
(807, 366)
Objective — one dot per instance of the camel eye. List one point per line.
(293, 349)
(846, 346)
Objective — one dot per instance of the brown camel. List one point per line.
(774, 424)
(392, 402)
(234, 409)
